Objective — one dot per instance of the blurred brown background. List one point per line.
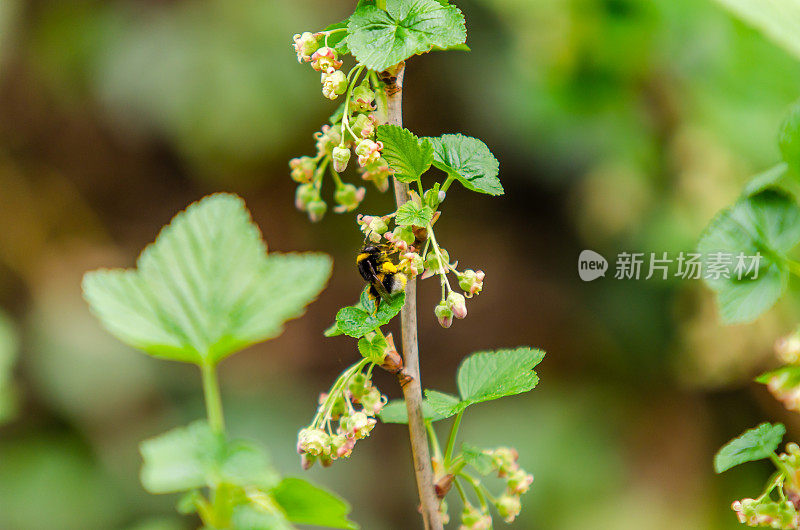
(619, 125)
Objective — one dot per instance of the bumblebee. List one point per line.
(377, 269)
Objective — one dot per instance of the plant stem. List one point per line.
(411, 385)
(451, 441)
(213, 400)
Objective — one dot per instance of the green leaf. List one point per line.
(789, 138)
(444, 405)
(413, 214)
(770, 178)
(206, 288)
(484, 376)
(396, 412)
(305, 503)
(408, 156)
(333, 330)
(789, 376)
(469, 161)
(358, 320)
(778, 19)
(755, 444)
(192, 457)
(477, 459)
(767, 223)
(255, 517)
(379, 39)
(373, 346)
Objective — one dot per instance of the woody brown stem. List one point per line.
(410, 378)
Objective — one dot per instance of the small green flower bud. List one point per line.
(368, 151)
(457, 304)
(359, 385)
(378, 172)
(302, 169)
(328, 138)
(342, 446)
(316, 210)
(788, 348)
(373, 401)
(313, 441)
(304, 195)
(304, 45)
(519, 481)
(471, 282)
(378, 225)
(334, 84)
(444, 314)
(364, 125)
(340, 158)
(363, 98)
(348, 197)
(473, 518)
(444, 516)
(508, 506)
(357, 425)
(504, 460)
(432, 261)
(411, 264)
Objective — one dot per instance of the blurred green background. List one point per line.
(619, 125)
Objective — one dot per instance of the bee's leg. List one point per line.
(373, 295)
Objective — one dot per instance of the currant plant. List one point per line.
(764, 222)
(401, 246)
(203, 291)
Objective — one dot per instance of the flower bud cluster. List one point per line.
(319, 442)
(351, 134)
(517, 480)
(474, 518)
(767, 512)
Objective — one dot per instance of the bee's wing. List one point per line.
(378, 285)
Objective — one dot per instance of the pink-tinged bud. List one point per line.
(788, 348)
(444, 516)
(444, 314)
(504, 460)
(313, 441)
(304, 45)
(411, 264)
(302, 169)
(508, 506)
(325, 60)
(363, 98)
(457, 304)
(328, 138)
(359, 425)
(373, 402)
(766, 512)
(307, 460)
(471, 282)
(334, 84)
(427, 274)
(785, 387)
(340, 158)
(364, 125)
(519, 482)
(305, 195)
(316, 210)
(473, 518)
(433, 262)
(368, 151)
(378, 172)
(348, 197)
(342, 446)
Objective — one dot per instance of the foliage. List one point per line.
(203, 291)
